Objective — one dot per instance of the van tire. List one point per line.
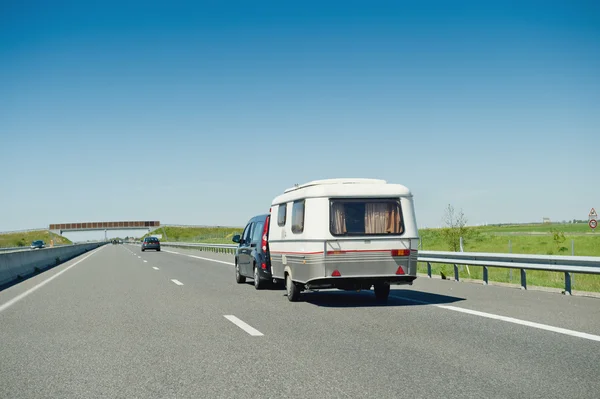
(293, 292)
(238, 277)
(382, 292)
(258, 283)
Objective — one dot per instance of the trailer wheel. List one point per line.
(382, 292)
(238, 277)
(293, 292)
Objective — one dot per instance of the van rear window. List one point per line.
(359, 217)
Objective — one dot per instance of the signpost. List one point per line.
(592, 219)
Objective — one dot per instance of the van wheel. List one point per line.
(382, 292)
(258, 283)
(238, 277)
(293, 292)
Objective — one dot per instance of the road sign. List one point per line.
(593, 214)
(593, 224)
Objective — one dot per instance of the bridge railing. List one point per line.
(553, 263)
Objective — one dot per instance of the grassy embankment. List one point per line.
(518, 239)
(25, 239)
(523, 239)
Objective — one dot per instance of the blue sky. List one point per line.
(202, 112)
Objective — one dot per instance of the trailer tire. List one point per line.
(293, 292)
(382, 292)
(238, 277)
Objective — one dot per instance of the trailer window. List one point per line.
(298, 217)
(365, 217)
(281, 214)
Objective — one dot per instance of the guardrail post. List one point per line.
(455, 272)
(485, 275)
(429, 269)
(568, 283)
(523, 279)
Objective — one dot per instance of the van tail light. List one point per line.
(336, 273)
(400, 271)
(400, 252)
(263, 243)
(263, 266)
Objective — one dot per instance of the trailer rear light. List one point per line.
(264, 235)
(401, 252)
(336, 273)
(400, 271)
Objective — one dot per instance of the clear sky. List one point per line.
(202, 112)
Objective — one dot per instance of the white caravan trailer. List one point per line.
(349, 234)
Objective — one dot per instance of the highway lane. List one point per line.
(116, 326)
(578, 313)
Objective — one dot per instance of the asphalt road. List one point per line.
(119, 323)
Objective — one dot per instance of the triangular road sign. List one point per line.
(593, 213)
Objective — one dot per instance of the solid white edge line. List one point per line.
(212, 260)
(170, 252)
(524, 323)
(249, 329)
(507, 319)
(155, 268)
(36, 287)
(176, 281)
(200, 257)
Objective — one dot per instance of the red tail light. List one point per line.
(400, 252)
(400, 270)
(336, 273)
(264, 266)
(264, 235)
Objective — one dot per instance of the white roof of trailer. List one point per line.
(336, 181)
(331, 188)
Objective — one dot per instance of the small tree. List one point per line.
(456, 227)
(559, 240)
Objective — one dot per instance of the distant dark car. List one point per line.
(38, 244)
(150, 243)
(252, 258)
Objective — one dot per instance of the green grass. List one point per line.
(209, 235)
(492, 239)
(25, 239)
(539, 228)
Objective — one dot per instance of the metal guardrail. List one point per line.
(218, 248)
(552, 263)
(28, 247)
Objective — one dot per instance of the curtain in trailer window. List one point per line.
(338, 217)
(382, 218)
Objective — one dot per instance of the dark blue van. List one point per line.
(252, 255)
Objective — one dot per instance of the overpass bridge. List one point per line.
(88, 226)
(77, 231)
